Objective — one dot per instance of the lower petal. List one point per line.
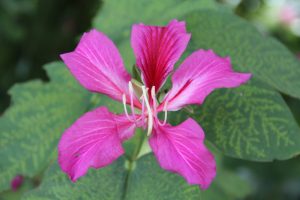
(94, 140)
(180, 149)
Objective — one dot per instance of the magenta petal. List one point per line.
(94, 140)
(96, 63)
(157, 49)
(198, 75)
(125, 127)
(180, 149)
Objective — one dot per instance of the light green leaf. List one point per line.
(146, 180)
(40, 112)
(228, 35)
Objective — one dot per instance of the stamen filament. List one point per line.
(166, 115)
(125, 108)
(143, 110)
(154, 99)
(150, 114)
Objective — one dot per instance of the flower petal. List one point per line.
(157, 49)
(198, 75)
(94, 140)
(96, 63)
(180, 149)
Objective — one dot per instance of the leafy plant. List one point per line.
(252, 122)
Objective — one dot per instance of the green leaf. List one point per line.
(27, 185)
(227, 186)
(160, 184)
(229, 35)
(105, 184)
(146, 180)
(258, 126)
(31, 127)
(117, 16)
(251, 122)
(40, 112)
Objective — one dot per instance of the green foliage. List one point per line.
(117, 16)
(251, 122)
(31, 127)
(106, 184)
(228, 35)
(143, 180)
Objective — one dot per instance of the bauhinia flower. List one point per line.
(95, 139)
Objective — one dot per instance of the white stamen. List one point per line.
(150, 114)
(166, 115)
(143, 110)
(125, 108)
(154, 99)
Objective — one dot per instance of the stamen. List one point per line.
(154, 99)
(125, 108)
(150, 114)
(143, 111)
(166, 115)
(131, 99)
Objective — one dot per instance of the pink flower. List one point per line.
(288, 14)
(95, 139)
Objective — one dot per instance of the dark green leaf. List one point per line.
(40, 112)
(104, 184)
(265, 57)
(146, 180)
(117, 16)
(251, 122)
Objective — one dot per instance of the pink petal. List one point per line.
(125, 127)
(157, 49)
(198, 75)
(94, 140)
(180, 149)
(96, 63)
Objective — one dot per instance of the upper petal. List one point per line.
(157, 49)
(96, 63)
(180, 149)
(94, 140)
(198, 75)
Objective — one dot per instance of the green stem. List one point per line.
(140, 150)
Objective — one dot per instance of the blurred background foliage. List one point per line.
(34, 32)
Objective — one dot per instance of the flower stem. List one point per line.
(142, 148)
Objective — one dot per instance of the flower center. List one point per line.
(149, 107)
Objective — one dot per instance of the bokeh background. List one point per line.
(34, 32)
